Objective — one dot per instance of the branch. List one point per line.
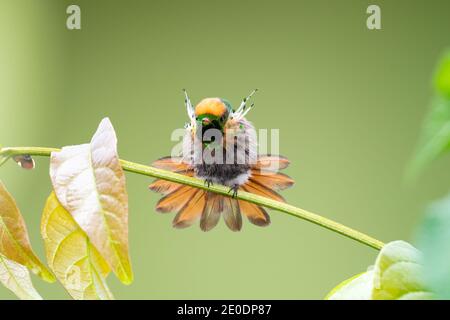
(6, 153)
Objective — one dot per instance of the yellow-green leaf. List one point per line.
(14, 242)
(442, 78)
(89, 182)
(396, 275)
(435, 140)
(74, 260)
(356, 288)
(435, 136)
(16, 278)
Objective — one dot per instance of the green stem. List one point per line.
(197, 183)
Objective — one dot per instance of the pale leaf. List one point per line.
(89, 182)
(358, 287)
(16, 278)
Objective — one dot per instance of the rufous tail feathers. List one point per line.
(192, 204)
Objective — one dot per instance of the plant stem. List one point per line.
(197, 183)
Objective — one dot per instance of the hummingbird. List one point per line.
(220, 146)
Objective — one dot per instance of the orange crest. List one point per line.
(213, 106)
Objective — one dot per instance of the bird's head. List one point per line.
(212, 113)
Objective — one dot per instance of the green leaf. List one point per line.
(434, 241)
(435, 136)
(16, 278)
(74, 260)
(89, 182)
(435, 140)
(396, 275)
(442, 79)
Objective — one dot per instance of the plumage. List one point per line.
(232, 214)
(191, 211)
(254, 213)
(271, 180)
(176, 200)
(211, 212)
(213, 106)
(233, 162)
(164, 187)
(255, 187)
(172, 164)
(271, 163)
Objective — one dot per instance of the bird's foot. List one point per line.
(235, 189)
(208, 182)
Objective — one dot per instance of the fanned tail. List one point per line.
(191, 211)
(211, 212)
(255, 214)
(192, 204)
(265, 180)
(232, 214)
(172, 164)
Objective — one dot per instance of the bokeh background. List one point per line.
(349, 104)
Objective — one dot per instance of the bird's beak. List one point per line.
(206, 121)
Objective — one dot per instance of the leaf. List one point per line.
(356, 288)
(16, 278)
(434, 241)
(435, 136)
(89, 182)
(435, 140)
(396, 275)
(74, 260)
(14, 242)
(442, 79)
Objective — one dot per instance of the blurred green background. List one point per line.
(349, 104)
